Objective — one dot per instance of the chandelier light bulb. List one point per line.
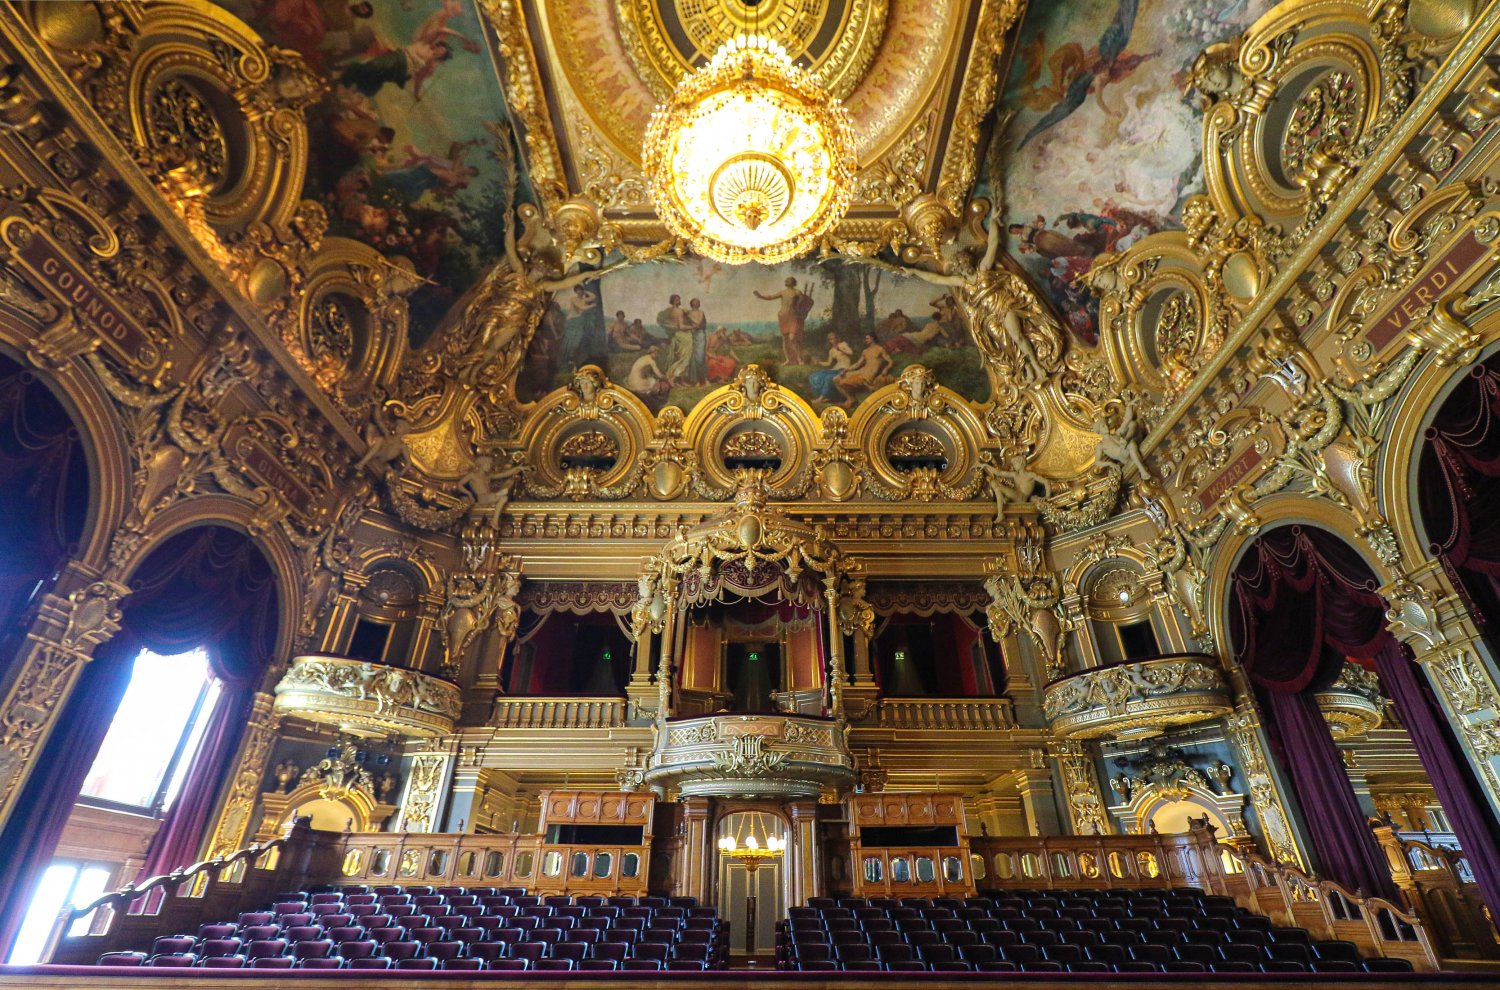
(751, 843)
(750, 160)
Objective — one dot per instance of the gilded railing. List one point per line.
(1352, 705)
(559, 713)
(1192, 859)
(1138, 697)
(1330, 911)
(505, 860)
(368, 698)
(751, 756)
(960, 714)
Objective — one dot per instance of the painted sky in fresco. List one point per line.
(1105, 144)
(617, 322)
(403, 152)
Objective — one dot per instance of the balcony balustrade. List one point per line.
(368, 699)
(1137, 699)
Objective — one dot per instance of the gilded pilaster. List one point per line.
(69, 626)
(1427, 613)
(1249, 739)
(426, 786)
(255, 754)
(1080, 781)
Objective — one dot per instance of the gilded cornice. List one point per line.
(114, 158)
(1462, 72)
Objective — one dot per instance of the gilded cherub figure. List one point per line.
(1017, 484)
(491, 489)
(1119, 445)
(385, 447)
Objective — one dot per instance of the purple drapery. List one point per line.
(207, 587)
(41, 812)
(1302, 602)
(1341, 838)
(43, 492)
(1446, 765)
(1458, 483)
(221, 596)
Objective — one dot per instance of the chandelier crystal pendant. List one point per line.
(750, 160)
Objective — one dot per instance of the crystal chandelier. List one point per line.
(750, 160)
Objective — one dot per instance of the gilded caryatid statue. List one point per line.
(1010, 324)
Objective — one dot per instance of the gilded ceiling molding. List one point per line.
(526, 96)
(1381, 48)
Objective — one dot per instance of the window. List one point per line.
(67, 883)
(155, 733)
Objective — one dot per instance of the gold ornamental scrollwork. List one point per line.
(661, 61)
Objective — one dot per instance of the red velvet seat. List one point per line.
(417, 963)
(508, 965)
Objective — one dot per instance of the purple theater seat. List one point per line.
(370, 962)
(642, 964)
(597, 965)
(321, 962)
(266, 948)
(508, 965)
(650, 950)
(530, 951)
(401, 950)
(302, 933)
(223, 962)
(617, 951)
(272, 962)
(313, 949)
(256, 918)
(444, 950)
(174, 959)
(555, 965)
(224, 930)
(209, 948)
(463, 963)
(417, 963)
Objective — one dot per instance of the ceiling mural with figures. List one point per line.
(407, 158)
(1104, 143)
(832, 333)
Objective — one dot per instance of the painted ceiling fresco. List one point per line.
(404, 155)
(832, 332)
(1104, 145)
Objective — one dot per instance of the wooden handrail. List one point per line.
(131, 892)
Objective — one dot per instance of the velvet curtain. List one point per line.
(1447, 765)
(1458, 481)
(43, 493)
(1302, 600)
(208, 587)
(45, 801)
(221, 595)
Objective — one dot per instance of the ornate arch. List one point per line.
(244, 517)
(101, 433)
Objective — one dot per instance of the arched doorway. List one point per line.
(743, 891)
(200, 625)
(44, 495)
(1303, 605)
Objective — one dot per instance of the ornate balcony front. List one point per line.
(1137, 699)
(751, 756)
(1352, 705)
(368, 699)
